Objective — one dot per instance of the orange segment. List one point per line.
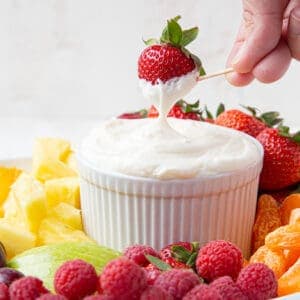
(275, 260)
(285, 237)
(295, 216)
(290, 257)
(291, 202)
(289, 282)
(267, 220)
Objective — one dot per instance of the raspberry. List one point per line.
(4, 294)
(151, 273)
(137, 254)
(217, 259)
(99, 287)
(257, 281)
(228, 289)
(203, 292)
(122, 277)
(28, 288)
(100, 297)
(52, 297)
(155, 293)
(75, 279)
(177, 282)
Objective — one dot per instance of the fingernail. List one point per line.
(237, 58)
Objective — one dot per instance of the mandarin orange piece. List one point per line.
(290, 257)
(275, 260)
(289, 282)
(245, 262)
(295, 216)
(267, 220)
(284, 237)
(289, 203)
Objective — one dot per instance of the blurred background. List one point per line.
(67, 64)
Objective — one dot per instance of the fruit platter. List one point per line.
(168, 202)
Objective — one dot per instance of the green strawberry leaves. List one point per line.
(285, 131)
(161, 265)
(270, 118)
(174, 35)
(189, 35)
(220, 109)
(151, 41)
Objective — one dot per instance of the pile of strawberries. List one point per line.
(178, 271)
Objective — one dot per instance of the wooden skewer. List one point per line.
(219, 73)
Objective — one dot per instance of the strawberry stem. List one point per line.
(285, 131)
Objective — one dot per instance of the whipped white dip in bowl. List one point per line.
(150, 184)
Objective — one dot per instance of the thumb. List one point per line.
(261, 32)
(293, 32)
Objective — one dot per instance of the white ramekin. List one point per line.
(120, 210)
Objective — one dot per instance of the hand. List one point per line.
(268, 38)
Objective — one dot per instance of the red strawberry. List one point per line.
(163, 62)
(152, 112)
(168, 57)
(134, 115)
(181, 110)
(180, 255)
(241, 121)
(250, 124)
(281, 166)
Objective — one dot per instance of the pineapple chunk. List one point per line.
(63, 190)
(26, 203)
(51, 169)
(67, 214)
(72, 162)
(15, 238)
(49, 159)
(51, 148)
(7, 177)
(52, 231)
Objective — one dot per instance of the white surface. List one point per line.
(65, 63)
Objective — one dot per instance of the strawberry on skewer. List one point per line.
(168, 57)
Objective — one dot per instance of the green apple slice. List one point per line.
(42, 262)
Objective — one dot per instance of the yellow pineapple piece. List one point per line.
(63, 190)
(52, 231)
(51, 148)
(26, 203)
(15, 238)
(67, 214)
(49, 159)
(72, 162)
(50, 169)
(7, 178)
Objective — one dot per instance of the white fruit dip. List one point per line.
(164, 95)
(140, 148)
(168, 148)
